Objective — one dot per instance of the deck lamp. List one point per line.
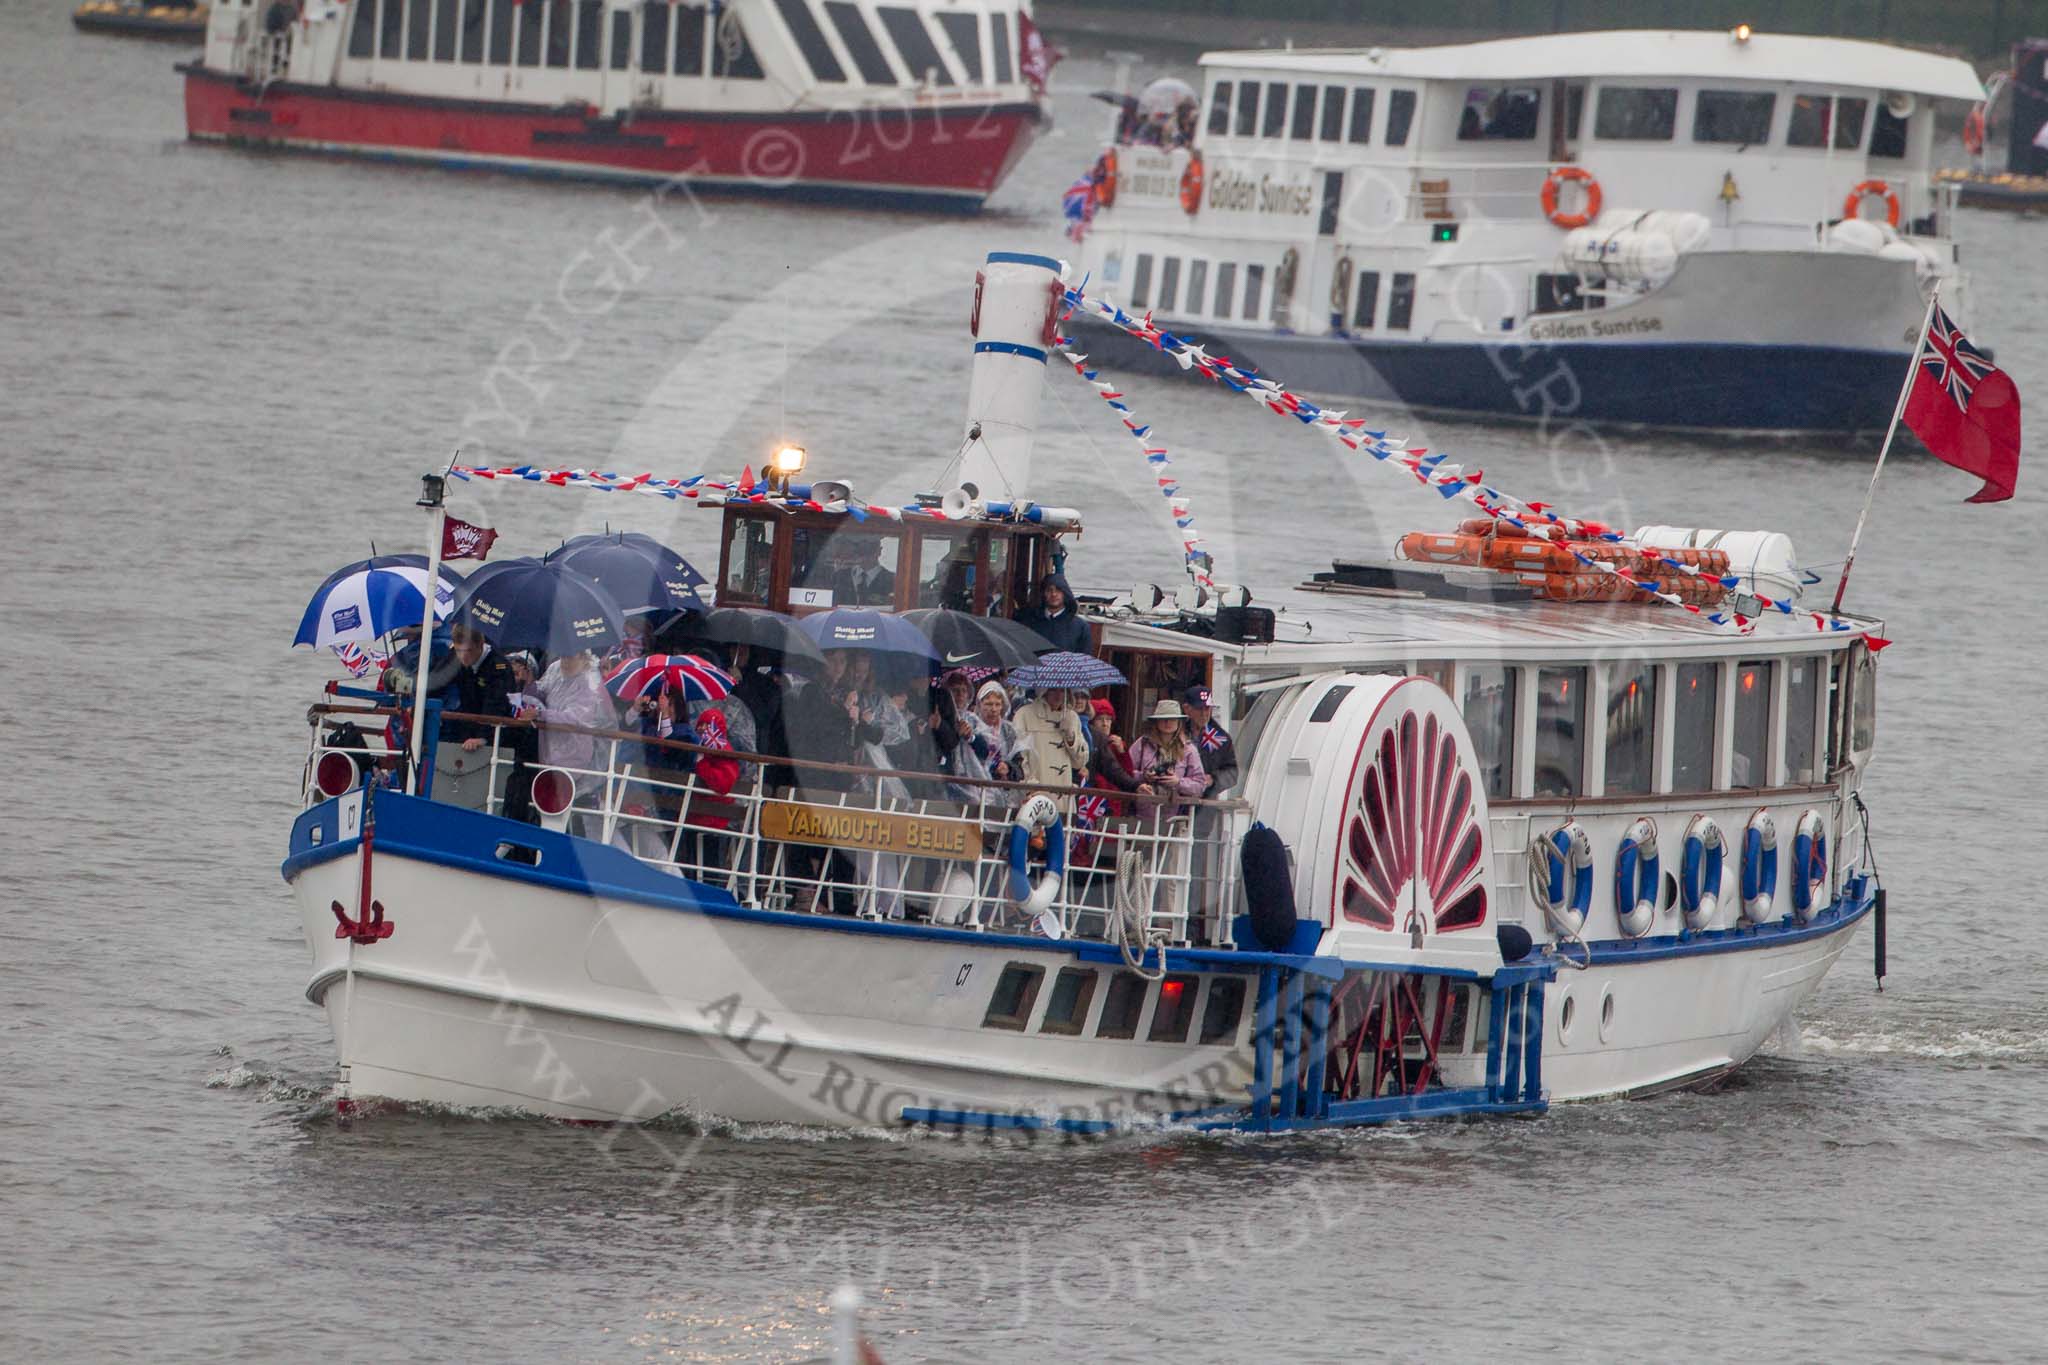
(785, 464)
(1740, 33)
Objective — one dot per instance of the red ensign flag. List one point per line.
(1966, 410)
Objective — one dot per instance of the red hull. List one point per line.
(949, 158)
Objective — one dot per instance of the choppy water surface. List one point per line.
(225, 373)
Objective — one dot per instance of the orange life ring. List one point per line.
(1191, 183)
(1105, 179)
(1556, 181)
(1854, 202)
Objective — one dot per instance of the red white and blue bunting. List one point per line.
(746, 488)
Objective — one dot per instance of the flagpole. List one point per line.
(432, 491)
(1898, 412)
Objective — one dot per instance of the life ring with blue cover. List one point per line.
(1039, 812)
(1701, 872)
(1561, 876)
(1759, 867)
(1637, 878)
(1809, 866)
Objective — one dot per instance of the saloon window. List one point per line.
(1169, 291)
(689, 27)
(1888, 138)
(860, 41)
(1802, 704)
(392, 42)
(1141, 289)
(1120, 1011)
(1400, 116)
(1367, 303)
(473, 25)
(1176, 1010)
(914, 41)
(1361, 113)
(653, 38)
(1333, 113)
(1222, 1010)
(1254, 285)
(1016, 992)
(1739, 116)
(1276, 109)
(1304, 125)
(590, 34)
(1499, 113)
(1400, 302)
(558, 36)
(732, 54)
(1247, 112)
(1490, 719)
(1219, 117)
(1631, 729)
(999, 46)
(531, 19)
(1073, 990)
(1560, 731)
(963, 31)
(445, 19)
(362, 42)
(1636, 113)
(1750, 728)
(1810, 118)
(1198, 287)
(1226, 288)
(1696, 698)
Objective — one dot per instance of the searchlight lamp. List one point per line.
(785, 464)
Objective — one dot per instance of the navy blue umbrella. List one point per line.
(865, 628)
(531, 604)
(640, 582)
(671, 563)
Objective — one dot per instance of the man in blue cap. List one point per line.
(1212, 741)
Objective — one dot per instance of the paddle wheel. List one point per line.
(1393, 1047)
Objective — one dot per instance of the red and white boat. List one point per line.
(919, 102)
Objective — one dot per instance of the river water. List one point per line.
(225, 373)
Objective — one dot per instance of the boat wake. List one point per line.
(1984, 1044)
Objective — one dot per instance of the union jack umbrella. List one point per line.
(696, 679)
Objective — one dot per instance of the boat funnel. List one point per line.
(1016, 314)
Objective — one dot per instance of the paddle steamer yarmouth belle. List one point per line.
(1491, 849)
(1731, 231)
(923, 103)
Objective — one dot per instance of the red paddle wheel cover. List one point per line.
(1412, 822)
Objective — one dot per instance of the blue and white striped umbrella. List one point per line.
(363, 602)
(1065, 670)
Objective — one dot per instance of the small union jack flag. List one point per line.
(1212, 737)
(359, 661)
(1952, 361)
(1091, 809)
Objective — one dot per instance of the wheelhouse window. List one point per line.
(1489, 709)
(750, 561)
(446, 18)
(1888, 138)
(654, 46)
(1802, 708)
(1811, 116)
(1560, 760)
(1400, 303)
(1863, 715)
(1499, 113)
(1176, 1010)
(1276, 109)
(920, 54)
(392, 42)
(1400, 116)
(1141, 290)
(1636, 113)
(1120, 1010)
(1219, 112)
(963, 31)
(589, 34)
(1303, 126)
(689, 26)
(1332, 129)
(1361, 113)
(1066, 1011)
(560, 34)
(1247, 109)
(732, 53)
(1749, 763)
(999, 47)
(860, 42)
(1198, 285)
(1222, 1010)
(622, 39)
(1169, 289)
(1367, 302)
(1226, 288)
(473, 25)
(1739, 116)
(532, 18)
(1631, 729)
(810, 39)
(844, 568)
(1016, 992)
(945, 571)
(362, 42)
(1254, 286)
(1696, 697)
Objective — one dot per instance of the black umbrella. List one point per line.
(638, 578)
(758, 629)
(965, 640)
(531, 604)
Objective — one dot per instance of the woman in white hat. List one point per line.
(1164, 758)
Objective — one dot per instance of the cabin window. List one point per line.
(1121, 1008)
(622, 39)
(473, 13)
(392, 40)
(532, 22)
(1631, 729)
(1016, 992)
(1560, 731)
(589, 34)
(1222, 1010)
(1276, 110)
(1810, 118)
(1198, 287)
(838, 569)
(1175, 1011)
(1219, 124)
(561, 32)
(810, 39)
(963, 31)
(1333, 113)
(1636, 113)
(1490, 718)
(1169, 291)
(1247, 108)
(860, 41)
(689, 25)
(654, 47)
(914, 41)
(1304, 125)
(1141, 289)
(732, 54)
(1400, 302)
(1066, 1011)
(1500, 114)
(419, 30)
(1254, 285)
(999, 47)
(1738, 116)
(1863, 716)
(1400, 116)
(1361, 113)
(1750, 729)
(1697, 695)
(1888, 138)
(1802, 705)
(945, 572)
(750, 560)
(362, 42)
(1364, 310)
(1226, 289)
(447, 16)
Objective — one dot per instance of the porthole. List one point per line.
(1606, 1013)
(1567, 1014)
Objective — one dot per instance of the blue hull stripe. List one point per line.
(991, 347)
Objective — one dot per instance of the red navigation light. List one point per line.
(334, 774)
(553, 790)
(1170, 992)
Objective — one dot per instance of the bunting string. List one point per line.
(746, 488)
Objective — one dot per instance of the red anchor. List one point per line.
(370, 923)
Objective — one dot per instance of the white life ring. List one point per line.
(1759, 867)
(1039, 812)
(1702, 870)
(1809, 866)
(1561, 876)
(1637, 878)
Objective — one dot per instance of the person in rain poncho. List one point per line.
(1055, 617)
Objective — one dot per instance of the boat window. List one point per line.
(1141, 288)
(1169, 291)
(446, 16)
(1810, 118)
(1738, 116)
(1400, 116)
(392, 43)
(963, 31)
(1016, 992)
(732, 53)
(1489, 709)
(1802, 705)
(1120, 1010)
(945, 571)
(653, 39)
(1560, 731)
(1276, 109)
(1333, 113)
(750, 561)
(999, 47)
(1066, 1011)
(998, 602)
(1631, 729)
(1304, 126)
(1362, 314)
(1438, 671)
(1400, 303)
(1361, 113)
(860, 41)
(1750, 728)
(1696, 698)
(1198, 286)
(1226, 290)
(849, 568)
(560, 32)
(1219, 122)
(1636, 113)
(362, 42)
(1176, 1010)
(914, 41)
(589, 34)
(1247, 108)
(1574, 111)
(531, 19)
(1888, 138)
(1254, 285)
(622, 39)
(1223, 1009)
(689, 24)
(1499, 113)
(1863, 718)
(810, 39)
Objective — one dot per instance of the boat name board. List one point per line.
(797, 822)
(1581, 329)
(1148, 175)
(1232, 191)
